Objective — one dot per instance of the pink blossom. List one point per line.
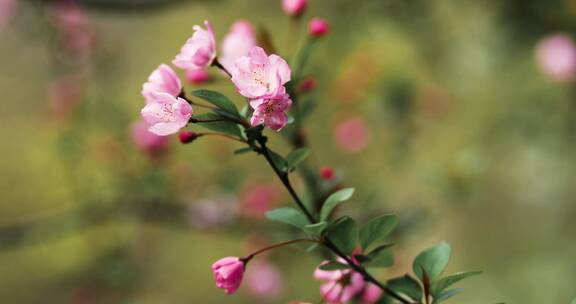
(162, 80)
(258, 75)
(556, 56)
(74, 27)
(197, 76)
(341, 286)
(166, 114)
(199, 51)
(271, 111)
(294, 7)
(371, 294)
(146, 140)
(7, 8)
(264, 280)
(64, 93)
(259, 198)
(318, 27)
(239, 41)
(228, 273)
(352, 135)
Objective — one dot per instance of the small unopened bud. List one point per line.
(318, 27)
(327, 173)
(197, 76)
(294, 8)
(187, 136)
(308, 84)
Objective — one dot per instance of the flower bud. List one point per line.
(318, 27)
(327, 173)
(228, 273)
(197, 76)
(308, 84)
(187, 136)
(294, 8)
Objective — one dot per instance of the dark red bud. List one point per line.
(327, 173)
(187, 136)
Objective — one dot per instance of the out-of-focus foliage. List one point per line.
(433, 110)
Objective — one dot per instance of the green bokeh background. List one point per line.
(470, 143)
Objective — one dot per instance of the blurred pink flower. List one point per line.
(271, 111)
(162, 80)
(239, 41)
(308, 84)
(318, 27)
(146, 140)
(341, 286)
(199, 51)
(371, 294)
(263, 280)
(326, 173)
(197, 76)
(213, 213)
(258, 75)
(7, 9)
(556, 56)
(228, 273)
(259, 198)
(73, 26)
(166, 114)
(294, 7)
(64, 93)
(352, 135)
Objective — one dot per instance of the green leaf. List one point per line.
(343, 234)
(218, 100)
(315, 229)
(278, 160)
(333, 200)
(333, 266)
(432, 260)
(447, 294)
(297, 156)
(288, 215)
(381, 259)
(226, 127)
(407, 285)
(573, 301)
(377, 229)
(242, 150)
(442, 284)
(312, 247)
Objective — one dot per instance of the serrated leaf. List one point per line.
(279, 161)
(242, 150)
(442, 284)
(432, 260)
(297, 156)
(447, 294)
(315, 229)
(407, 285)
(343, 234)
(382, 259)
(226, 127)
(288, 215)
(377, 229)
(333, 200)
(219, 100)
(333, 266)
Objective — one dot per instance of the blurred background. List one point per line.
(459, 116)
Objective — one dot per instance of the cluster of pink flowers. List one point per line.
(343, 286)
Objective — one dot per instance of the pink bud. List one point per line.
(318, 27)
(327, 173)
(556, 55)
(371, 294)
(228, 273)
(197, 76)
(340, 286)
(187, 136)
(146, 140)
(294, 8)
(308, 84)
